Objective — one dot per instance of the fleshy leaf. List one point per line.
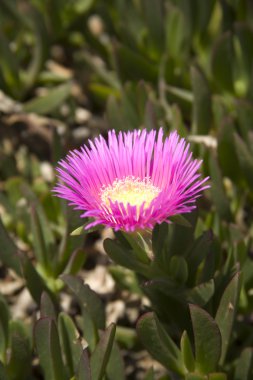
(223, 55)
(244, 366)
(115, 367)
(76, 261)
(158, 343)
(187, 353)
(34, 282)
(218, 192)
(202, 105)
(47, 308)
(87, 299)
(124, 257)
(4, 327)
(48, 103)
(8, 251)
(48, 349)
(92, 308)
(226, 313)
(207, 338)
(70, 342)
(83, 370)
(201, 293)
(100, 357)
(19, 364)
(178, 269)
(217, 376)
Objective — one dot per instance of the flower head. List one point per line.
(133, 181)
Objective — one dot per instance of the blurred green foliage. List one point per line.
(180, 64)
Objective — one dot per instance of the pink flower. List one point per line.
(133, 181)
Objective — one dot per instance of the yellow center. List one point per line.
(130, 190)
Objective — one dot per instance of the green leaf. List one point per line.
(153, 14)
(113, 113)
(70, 343)
(202, 105)
(87, 298)
(81, 230)
(176, 38)
(46, 230)
(129, 107)
(222, 56)
(133, 66)
(89, 329)
(48, 103)
(151, 116)
(217, 376)
(139, 246)
(125, 279)
(226, 150)
(83, 370)
(3, 374)
(211, 261)
(126, 337)
(19, 364)
(245, 158)
(234, 3)
(150, 375)
(34, 282)
(181, 220)
(244, 112)
(187, 353)
(158, 343)
(115, 367)
(180, 93)
(226, 313)
(204, 13)
(178, 269)
(92, 308)
(48, 349)
(169, 301)
(207, 338)
(78, 231)
(82, 6)
(194, 376)
(218, 192)
(9, 67)
(8, 251)
(180, 238)
(201, 293)
(47, 308)
(101, 354)
(101, 71)
(166, 286)
(4, 327)
(53, 9)
(39, 244)
(160, 235)
(244, 365)
(143, 96)
(198, 252)
(76, 261)
(124, 257)
(9, 9)
(40, 49)
(243, 48)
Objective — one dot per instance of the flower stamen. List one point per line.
(130, 190)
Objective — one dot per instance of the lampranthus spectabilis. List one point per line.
(132, 181)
